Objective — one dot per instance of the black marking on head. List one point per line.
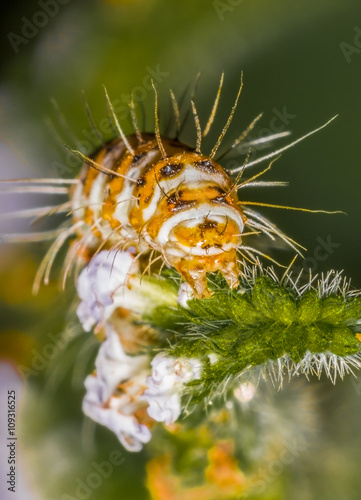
(208, 224)
(222, 198)
(183, 205)
(219, 199)
(147, 199)
(141, 182)
(220, 190)
(137, 158)
(170, 170)
(206, 166)
(179, 204)
(172, 199)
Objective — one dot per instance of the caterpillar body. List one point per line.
(180, 206)
(159, 196)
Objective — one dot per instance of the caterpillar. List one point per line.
(163, 199)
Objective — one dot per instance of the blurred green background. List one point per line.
(301, 57)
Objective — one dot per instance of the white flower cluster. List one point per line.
(127, 393)
(112, 397)
(166, 384)
(102, 287)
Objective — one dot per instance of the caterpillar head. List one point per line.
(187, 209)
(203, 240)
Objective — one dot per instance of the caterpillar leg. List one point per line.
(194, 270)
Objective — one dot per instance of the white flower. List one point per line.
(112, 280)
(185, 293)
(245, 392)
(104, 277)
(166, 384)
(113, 393)
(213, 358)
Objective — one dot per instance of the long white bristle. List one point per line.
(39, 181)
(35, 189)
(281, 150)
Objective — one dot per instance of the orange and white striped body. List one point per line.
(156, 194)
(182, 206)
